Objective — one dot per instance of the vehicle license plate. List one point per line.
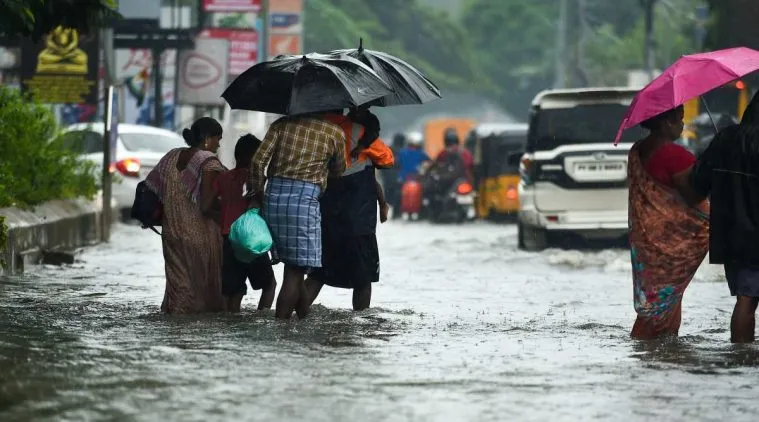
(581, 168)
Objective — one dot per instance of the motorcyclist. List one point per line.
(391, 176)
(452, 164)
(411, 158)
(453, 152)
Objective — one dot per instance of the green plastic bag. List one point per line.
(250, 236)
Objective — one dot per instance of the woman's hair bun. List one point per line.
(188, 136)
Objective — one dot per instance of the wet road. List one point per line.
(465, 327)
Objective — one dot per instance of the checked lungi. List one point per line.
(291, 208)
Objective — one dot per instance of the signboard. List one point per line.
(231, 5)
(286, 6)
(140, 9)
(134, 67)
(243, 47)
(284, 44)
(63, 69)
(286, 23)
(203, 72)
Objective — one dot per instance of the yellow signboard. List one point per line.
(63, 69)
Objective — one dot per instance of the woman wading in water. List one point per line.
(669, 226)
(184, 182)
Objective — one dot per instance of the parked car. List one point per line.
(573, 178)
(138, 149)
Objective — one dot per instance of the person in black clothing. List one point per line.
(728, 172)
(391, 177)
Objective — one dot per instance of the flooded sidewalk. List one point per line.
(464, 327)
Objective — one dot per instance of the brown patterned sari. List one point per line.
(191, 242)
(668, 242)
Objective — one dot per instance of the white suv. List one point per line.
(573, 178)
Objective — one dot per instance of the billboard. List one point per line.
(286, 6)
(203, 72)
(134, 67)
(231, 5)
(286, 23)
(63, 68)
(243, 47)
(284, 44)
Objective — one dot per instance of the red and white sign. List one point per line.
(284, 44)
(243, 47)
(232, 5)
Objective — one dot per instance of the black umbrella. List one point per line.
(410, 85)
(305, 84)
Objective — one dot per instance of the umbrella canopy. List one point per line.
(305, 84)
(410, 85)
(688, 78)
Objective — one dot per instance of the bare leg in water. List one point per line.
(313, 288)
(267, 295)
(234, 303)
(384, 207)
(293, 286)
(743, 322)
(362, 298)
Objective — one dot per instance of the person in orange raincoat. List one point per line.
(350, 256)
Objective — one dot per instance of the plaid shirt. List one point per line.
(299, 148)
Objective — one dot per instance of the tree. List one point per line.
(37, 166)
(428, 39)
(734, 23)
(36, 18)
(515, 40)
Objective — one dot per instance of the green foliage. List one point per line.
(34, 169)
(35, 18)
(429, 39)
(733, 23)
(515, 43)
(507, 48)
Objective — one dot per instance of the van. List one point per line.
(573, 180)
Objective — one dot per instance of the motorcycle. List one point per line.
(452, 203)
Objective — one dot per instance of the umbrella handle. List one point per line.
(706, 107)
(360, 44)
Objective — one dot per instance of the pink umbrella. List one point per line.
(689, 77)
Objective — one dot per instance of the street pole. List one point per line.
(105, 219)
(560, 78)
(581, 39)
(649, 17)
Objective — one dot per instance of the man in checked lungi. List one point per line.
(298, 154)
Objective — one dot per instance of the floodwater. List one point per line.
(464, 328)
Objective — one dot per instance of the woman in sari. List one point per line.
(184, 182)
(669, 235)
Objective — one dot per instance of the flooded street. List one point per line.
(464, 327)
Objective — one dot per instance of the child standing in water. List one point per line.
(230, 186)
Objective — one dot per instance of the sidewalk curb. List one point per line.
(57, 227)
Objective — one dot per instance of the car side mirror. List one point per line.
(514, 159)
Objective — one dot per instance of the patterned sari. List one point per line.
(668, 242)
(192, 242)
